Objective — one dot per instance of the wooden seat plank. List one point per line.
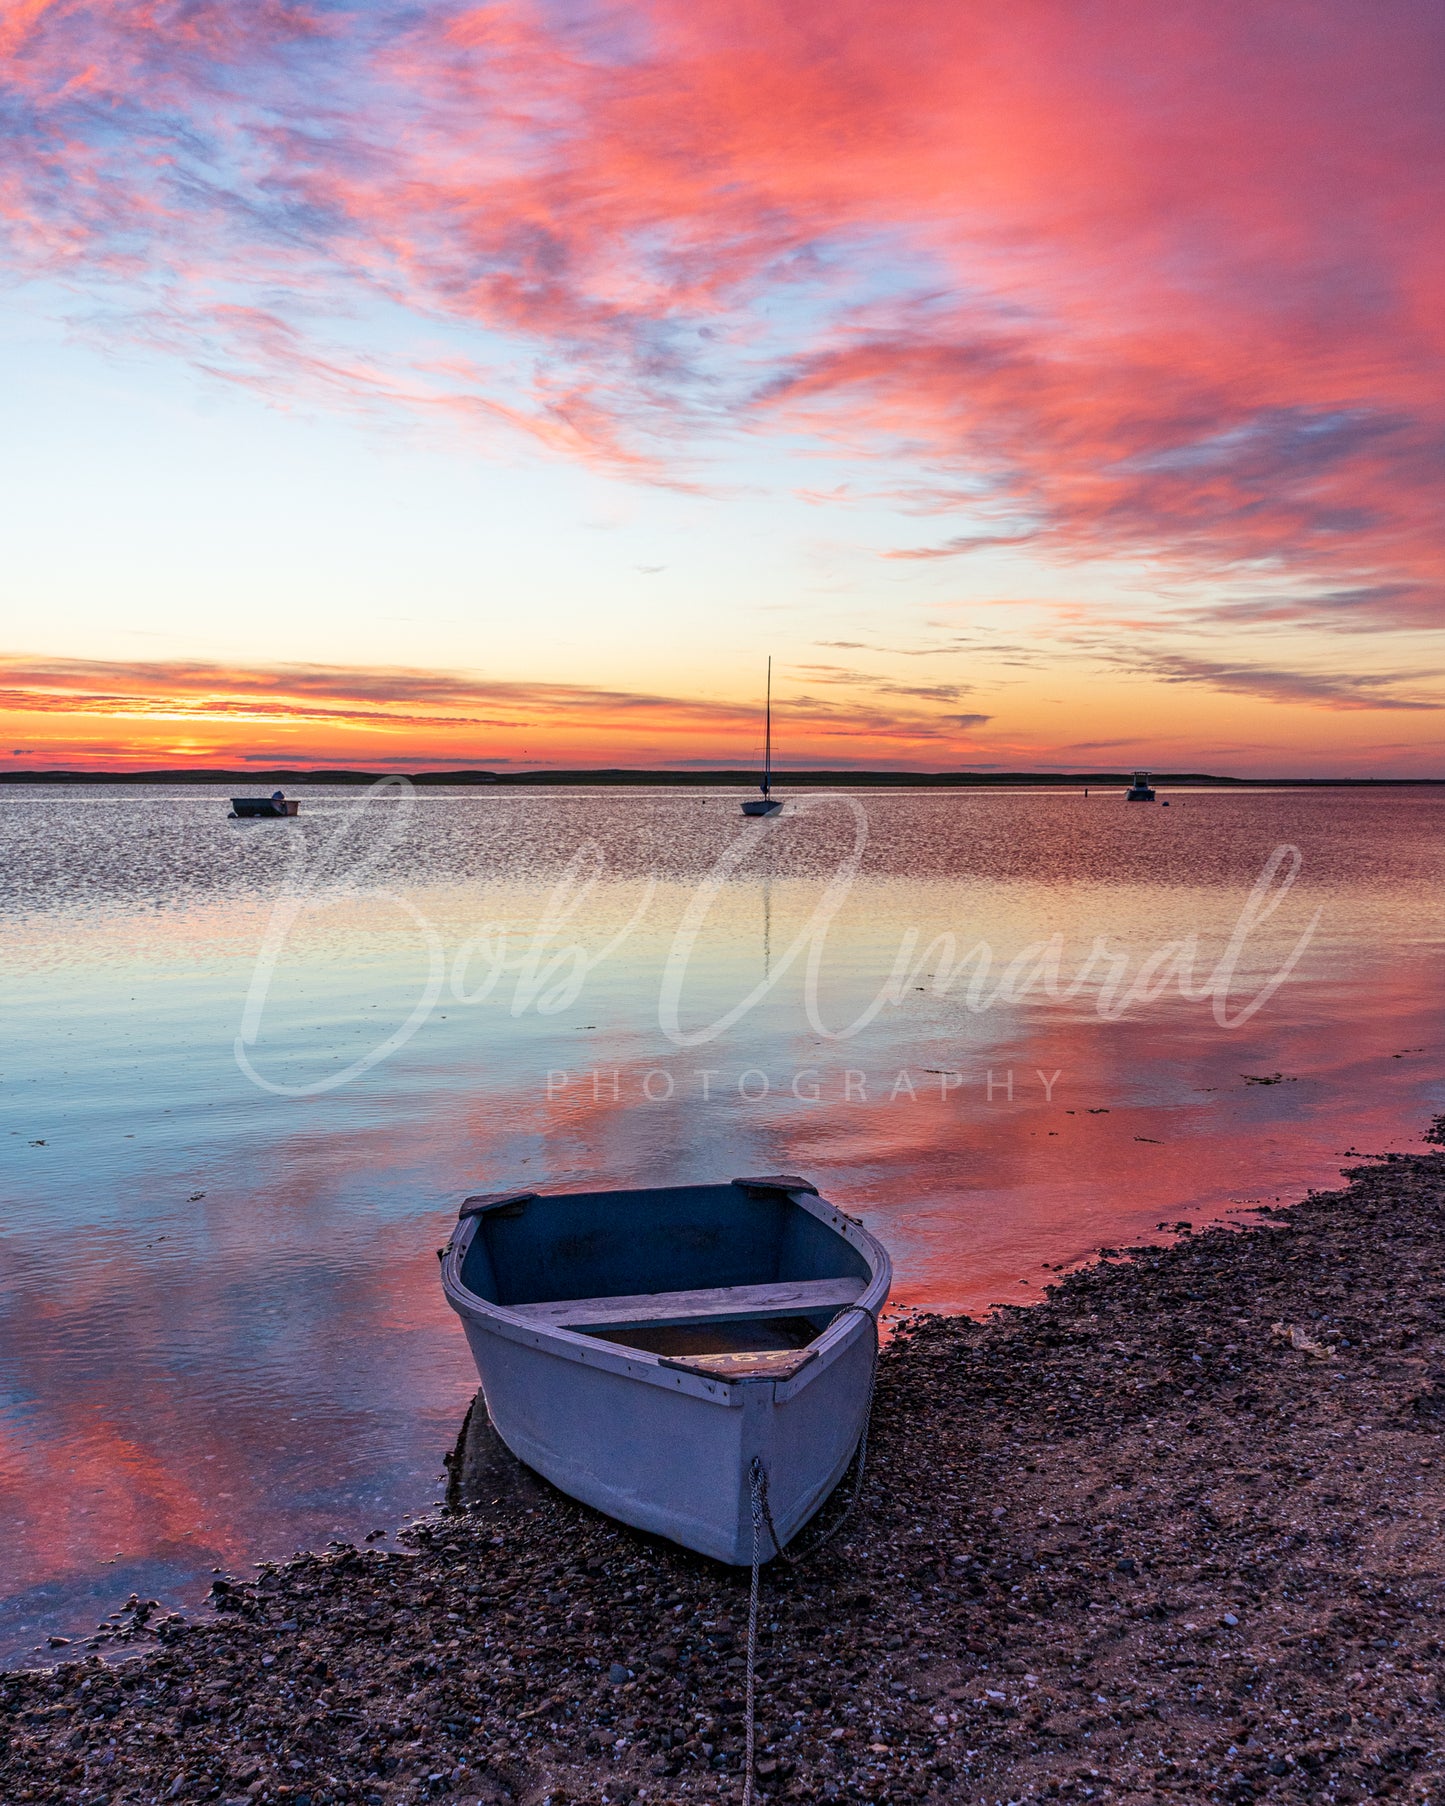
(766, 1364)
(650, 1310)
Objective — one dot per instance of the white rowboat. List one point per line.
(641, 1348)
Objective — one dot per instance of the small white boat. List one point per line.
(641, 1348)
(766, 804)
(1139, 791)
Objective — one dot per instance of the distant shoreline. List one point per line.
(622, 778)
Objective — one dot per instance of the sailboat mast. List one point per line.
(768, 734)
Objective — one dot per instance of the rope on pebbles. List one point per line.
(763, 1519)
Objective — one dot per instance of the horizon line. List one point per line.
(726, 776)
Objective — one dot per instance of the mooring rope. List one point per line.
(757, 1482)
(762, 1514)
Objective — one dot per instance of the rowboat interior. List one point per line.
(727, 1280)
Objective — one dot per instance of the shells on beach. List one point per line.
(1123, 1544)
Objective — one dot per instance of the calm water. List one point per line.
(221, 1333)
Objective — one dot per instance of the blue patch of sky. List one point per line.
(1273, 442)
(611, 36)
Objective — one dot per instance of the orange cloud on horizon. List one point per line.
(1145, 706)
(190, 711)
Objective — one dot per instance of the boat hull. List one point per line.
(762, 806)
(262, 808)
(669, 1450)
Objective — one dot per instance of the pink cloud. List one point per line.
(1149, 279)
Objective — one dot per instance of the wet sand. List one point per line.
(1173, 1533)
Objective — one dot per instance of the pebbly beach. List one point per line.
(1171, 1533)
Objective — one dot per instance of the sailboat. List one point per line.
(766, 804)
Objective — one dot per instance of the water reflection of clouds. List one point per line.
(201, 1380)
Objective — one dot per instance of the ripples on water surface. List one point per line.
(222, 1335)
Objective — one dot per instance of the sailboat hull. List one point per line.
(762, 805)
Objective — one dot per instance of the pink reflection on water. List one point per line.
(222, 1335)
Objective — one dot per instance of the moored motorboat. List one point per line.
(1139, 791)
(642, 1348)
(246, 806)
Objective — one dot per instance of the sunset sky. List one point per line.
(1055, 385)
